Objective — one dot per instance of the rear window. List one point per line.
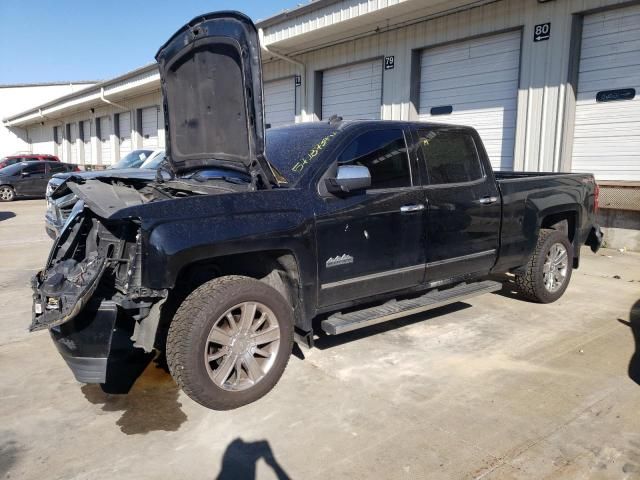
(451, 157)
(36, 168)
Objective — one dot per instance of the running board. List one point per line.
(346, 322)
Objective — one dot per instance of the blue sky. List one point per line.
(67, 40)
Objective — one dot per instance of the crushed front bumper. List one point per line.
(85, 341)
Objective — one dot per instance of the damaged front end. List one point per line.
(90, 296)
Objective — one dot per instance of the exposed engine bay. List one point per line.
(97, 258)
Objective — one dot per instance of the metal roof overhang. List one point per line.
(132, 84)
(332, 22)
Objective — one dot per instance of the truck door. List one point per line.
(372, 242)
(464, 206)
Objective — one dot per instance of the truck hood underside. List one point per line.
(212, 87)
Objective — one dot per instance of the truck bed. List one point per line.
(530, 196)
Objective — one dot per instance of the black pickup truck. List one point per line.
(252, 240)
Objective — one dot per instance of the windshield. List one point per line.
(132, 160)
(291, 149)
(11, 169)
(153, 162)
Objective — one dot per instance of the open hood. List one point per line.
(211, 74)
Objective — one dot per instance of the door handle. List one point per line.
(487, 200)
(412, 208)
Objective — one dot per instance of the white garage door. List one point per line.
(150, 127)
(73, 145)
(124, 132)
(353, 91)
(477, 82)
(86, 136)
(59, 141)
(280, 102)
(105, 140)
(607, 125)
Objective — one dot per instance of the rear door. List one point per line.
(372, 242)
(33, 179)
(464, 205)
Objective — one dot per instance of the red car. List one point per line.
(10, 160)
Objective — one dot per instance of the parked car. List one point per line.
(10, 160)
(59, 209)
(29, 178)
(262, 239)
(133, 159)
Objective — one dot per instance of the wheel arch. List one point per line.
(564, 219)
(279, 268)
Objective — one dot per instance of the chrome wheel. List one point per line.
(242, 346)
(555, 267)
(6, 193)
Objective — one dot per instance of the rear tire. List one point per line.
(7, 193)
(548, 271)
(230, 341)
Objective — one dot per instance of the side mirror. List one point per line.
(25, 174)
(349, 178)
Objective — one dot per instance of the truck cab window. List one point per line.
(451, 157)
(384, 153)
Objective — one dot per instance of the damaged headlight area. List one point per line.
(91, 261)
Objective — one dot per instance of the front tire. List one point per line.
(548, 271)
(7, 193)
(230, 341)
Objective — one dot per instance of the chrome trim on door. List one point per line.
(462, 258)
(398, 271)
(372, 276)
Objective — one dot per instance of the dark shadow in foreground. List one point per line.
(634, 324)
(240, 459)
(6, 215)
(154, 387)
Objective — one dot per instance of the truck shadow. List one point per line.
(154, 387)
(634, 325)
(240, 460)
(509, 288)
(325, 341)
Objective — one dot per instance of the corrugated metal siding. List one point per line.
(347, 10)
(41, 139)
(607, 134)
(280, 101)
(353, 91)
(478, 79)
